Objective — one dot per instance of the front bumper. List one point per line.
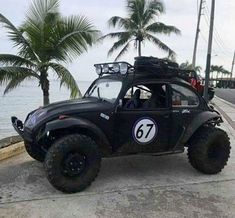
(19, 128)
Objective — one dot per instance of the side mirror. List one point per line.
(120, 103)
(119, 106)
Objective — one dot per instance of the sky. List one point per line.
(180, 13)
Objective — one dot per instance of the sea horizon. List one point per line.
(27, 97)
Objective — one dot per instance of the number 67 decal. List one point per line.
(145, 130)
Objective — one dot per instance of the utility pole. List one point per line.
(197, 35)
(208, 61)
(231, 73)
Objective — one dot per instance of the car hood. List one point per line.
(70, 107)
(76, 106)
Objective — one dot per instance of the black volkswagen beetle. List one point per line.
(142, 109)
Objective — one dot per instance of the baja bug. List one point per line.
(142, 109)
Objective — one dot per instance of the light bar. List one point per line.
(113, 68)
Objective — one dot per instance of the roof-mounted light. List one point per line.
(123, 68)
(113, 68)
(105, 68)
(98, 69)
(116, 68)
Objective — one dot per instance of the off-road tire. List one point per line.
(58, 152)
(209, 150)
(35, 152)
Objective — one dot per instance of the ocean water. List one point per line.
(26, 98)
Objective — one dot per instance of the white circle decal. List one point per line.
(145, 130)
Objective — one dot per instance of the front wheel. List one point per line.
(72, 163)
(209, 150)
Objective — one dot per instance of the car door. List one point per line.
(143, 129)
(185, 106)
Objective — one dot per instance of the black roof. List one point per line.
(131, 77)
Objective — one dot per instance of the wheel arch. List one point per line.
(204, 118)
(60, 128)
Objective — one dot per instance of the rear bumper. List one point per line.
(19, 128)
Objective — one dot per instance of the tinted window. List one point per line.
(183, 97)
(146, 97)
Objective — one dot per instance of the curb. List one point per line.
(12, 151)
(226, 102)
(225, 116)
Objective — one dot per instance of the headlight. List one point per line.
(33, 118)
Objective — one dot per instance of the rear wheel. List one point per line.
(72, 163)
(36, 152)
(209, 150)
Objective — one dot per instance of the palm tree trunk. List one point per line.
(46, 99)
(139, 48)
(45, 85)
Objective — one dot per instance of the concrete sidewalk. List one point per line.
(227, 110)
(135, 186)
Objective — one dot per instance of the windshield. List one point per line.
(107, 90)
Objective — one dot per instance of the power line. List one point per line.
(214, 51)
(217, 35)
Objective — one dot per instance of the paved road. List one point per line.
(226, 94)
(137, 186)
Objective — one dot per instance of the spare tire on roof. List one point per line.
(156, 66)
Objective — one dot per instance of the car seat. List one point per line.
(134, 102)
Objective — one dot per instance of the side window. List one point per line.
(144, 92)
(183, 97)
(146, 97)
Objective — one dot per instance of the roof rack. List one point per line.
(159, 67)
(145, 65)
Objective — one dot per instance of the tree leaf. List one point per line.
(66, 79)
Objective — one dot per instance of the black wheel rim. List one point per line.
(74, 164)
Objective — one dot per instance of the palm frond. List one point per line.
(72, 36)
(158, 27)
(124, 50)
(160, 44)
(9, 59)
(117, 21)
(66, 79)
(17, 37)
(114, 35)
(15, 82)
(9, 73)
(118, 44)
(153, 8)
(136, 10)
(40, 9)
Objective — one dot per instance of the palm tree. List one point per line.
(217, 69)
(140, 25)
(188, 66)
(43, 40)
(225, 73)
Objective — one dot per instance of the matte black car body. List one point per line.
(111, 126)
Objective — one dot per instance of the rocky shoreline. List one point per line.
(10, 141)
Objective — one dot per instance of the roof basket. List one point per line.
(159, 67)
